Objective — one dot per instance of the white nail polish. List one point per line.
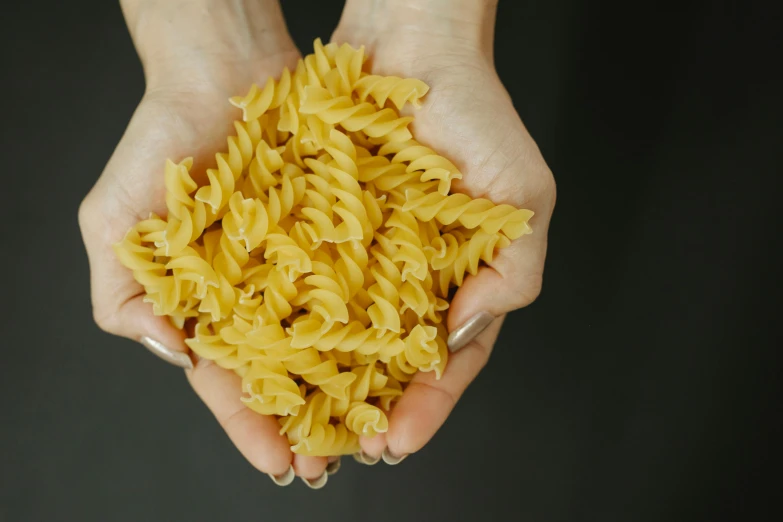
(333, 467)
(391, 459)
(284, 479)
(180, 359)
(317, 483)
(363, 458)
(460, 337)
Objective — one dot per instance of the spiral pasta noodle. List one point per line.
(397, 90)
(315, 257)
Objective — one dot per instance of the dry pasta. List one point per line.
(316, 259)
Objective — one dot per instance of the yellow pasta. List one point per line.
(470, 213)
(384, 123)
(316, 259)
(397, 90)
(419, 158)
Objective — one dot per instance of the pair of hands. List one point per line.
(198, 53)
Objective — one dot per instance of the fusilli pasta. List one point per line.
(316, 258)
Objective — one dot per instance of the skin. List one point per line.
(198, 53)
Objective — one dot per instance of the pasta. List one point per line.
(316, 258)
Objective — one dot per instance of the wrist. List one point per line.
(173, 37)
(467, 21)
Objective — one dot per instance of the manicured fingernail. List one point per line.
(363, 458)
(180, 359)
(317, 483)
(284, 479)
(333, 466)
(391, 459)
(468, 331)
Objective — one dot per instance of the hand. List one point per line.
(469, 118)
(196, 54)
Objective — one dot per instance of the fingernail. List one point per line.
(468, 331)
(363, 458)
(391, 459)
(333, 466)
(284, 479)
(317, 483)
(180, 359)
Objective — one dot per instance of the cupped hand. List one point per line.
(196, 54)
(468, 117)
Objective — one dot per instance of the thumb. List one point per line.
(513, 280)
(135, 320)
(117, 299)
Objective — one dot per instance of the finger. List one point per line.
(117, 299)
(476, 313)
(309, 467)
(312, 470)
(135, 320)
(372, 447)
(129, 189)
(256, 436)
(514, 277)
(513, 280)
(427, 402)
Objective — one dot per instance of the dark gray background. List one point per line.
(639, 387)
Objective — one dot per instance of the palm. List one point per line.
(461, 118)
(193, 121)
(173, 123)
(469, 118)
(177, 121)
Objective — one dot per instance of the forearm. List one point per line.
(171, 34)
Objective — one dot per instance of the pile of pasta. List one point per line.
(315, 259)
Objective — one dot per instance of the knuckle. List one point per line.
(85, 211)
(542, 183)
(201, 367)
(535, 184)
(549, 186)
(447, 395)
(529, 290)
(484, 351)
(234, 420)
(105, 321)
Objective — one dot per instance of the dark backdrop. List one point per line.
(639, 386)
